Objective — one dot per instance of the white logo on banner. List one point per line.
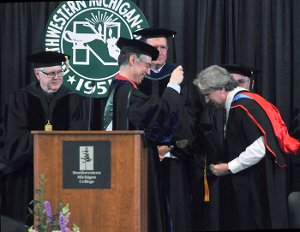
(88, 32)
(86, 158)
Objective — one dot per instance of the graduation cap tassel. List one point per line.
(206, 188)
(174, 50)
(251, 81)
(67, 62)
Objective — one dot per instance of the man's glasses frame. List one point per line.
(148, 65)
(52, 75)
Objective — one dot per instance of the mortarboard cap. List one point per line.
(137, 46)
(48, 59)
(155, 32)
(241, 69)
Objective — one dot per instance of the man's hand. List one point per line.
(220, 169)
(162, 150)
(177, 75)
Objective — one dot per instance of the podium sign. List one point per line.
(86, 164)
(101, 174)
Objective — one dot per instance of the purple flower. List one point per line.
(63, 221)
(48, 211)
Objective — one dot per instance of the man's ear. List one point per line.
(37, 73)
(132, 59)
(222, 89)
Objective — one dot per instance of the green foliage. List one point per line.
(39, 212)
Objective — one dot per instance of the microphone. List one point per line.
(90, 106)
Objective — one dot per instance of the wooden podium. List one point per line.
(101, 174)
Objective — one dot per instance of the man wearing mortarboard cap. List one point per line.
(45, 101)
(127, 108)
(175, 157)
(244, 75)
(156, 81)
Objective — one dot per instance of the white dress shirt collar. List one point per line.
(229, 99)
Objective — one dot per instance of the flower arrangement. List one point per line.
(43, 212)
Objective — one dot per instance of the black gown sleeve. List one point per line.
(18, 147)
(158, 117)
(79, 112)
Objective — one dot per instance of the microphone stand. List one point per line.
(90, 107)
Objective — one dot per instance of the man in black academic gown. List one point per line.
(44, 101)
(256, 141)
(176, 157)
(128, 108)
(246, 76)
(213, 123)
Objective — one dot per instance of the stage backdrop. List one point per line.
(260, 33)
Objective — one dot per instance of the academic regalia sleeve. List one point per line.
(263, 123)
(19, 141)
(241, 131)
(79, 112)
(188, 129)
(158, 117)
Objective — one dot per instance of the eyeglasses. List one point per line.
(148, 65)
(53, 74)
